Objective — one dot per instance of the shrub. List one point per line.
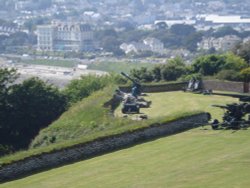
(245, 73)
(230, 75)
(86, 85)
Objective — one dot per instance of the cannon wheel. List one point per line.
(215, 124)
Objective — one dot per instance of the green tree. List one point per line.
(182, 29)
(225, 30)
(177, 61)
(26, 108)
(161, 26)
(172, 72)
(190, 42)
(7, 78)
(212, 64)
(208, 65)
(156, 73)
(143, 74)
(174, 69)
(85, 86)
(35, 105)
(245, 73)
(229, 74)
(234, 62)
(112, 44)
(243, 50)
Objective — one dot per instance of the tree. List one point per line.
(225, 30)
(112, 44)
(182, 29)
(85, 86)
(17, 39)
(143, 74)
(32, 23)
(207, 65)
(7, 78)
(172, 72)
(177, 61)
(243, 50)
(231, 75)
(156, 73)
(234, 62)
(34, 105)
(245, 73)
(26, 108)
(212, 64)
(191, 41)
(174, 69)
(161, 26)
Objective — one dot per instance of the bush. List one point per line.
(86, 85)
(5, 149)
(245, 74)
(230, 75)
(186, 78)
(172, 72)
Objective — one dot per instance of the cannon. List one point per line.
(136, 87)
(236, 116)
(132, 102)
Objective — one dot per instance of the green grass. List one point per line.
(169, 103)
(194, 159)
(86, 121)
(118, 67)
(61, 63)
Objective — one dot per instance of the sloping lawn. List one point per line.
(199, 158)
(169, 103)
(88, 120)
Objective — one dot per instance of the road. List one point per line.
(58, 76)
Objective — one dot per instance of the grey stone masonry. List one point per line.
(97, 147)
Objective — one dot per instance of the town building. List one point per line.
(154, 44)
(61, 36)
(222, 44)
(148, 44)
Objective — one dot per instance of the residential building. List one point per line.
(228, 42)
(46, 37)
(154, 44)
(60, 36)
(148, 44)
(135, 47)
(223, 43)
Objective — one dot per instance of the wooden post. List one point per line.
(245, 87)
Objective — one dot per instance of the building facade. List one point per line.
(148, 44)
(65, 37)
(223, 43)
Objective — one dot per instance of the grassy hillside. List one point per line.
(198, 158)
(90, 118)
(86, 121)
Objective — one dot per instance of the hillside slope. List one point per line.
(89, 117)
(198, 158)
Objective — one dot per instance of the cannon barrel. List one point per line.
(220, 106)
(128, 77)
(241, 97)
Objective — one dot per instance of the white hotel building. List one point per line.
(60, 36)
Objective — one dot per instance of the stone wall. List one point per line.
(218, 85)
(224, 86)
(97, 147)
(158, 87)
